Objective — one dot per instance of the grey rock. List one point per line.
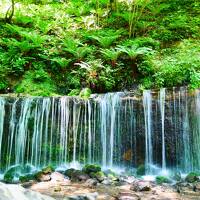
(141, 186)
(16, 192)
(107, 182)
(89, 196)
(91, 183)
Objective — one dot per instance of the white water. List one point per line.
(147, 104)
(162, 111)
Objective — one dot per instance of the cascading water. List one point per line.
(147, 104)
(114, 130)
(162, 111)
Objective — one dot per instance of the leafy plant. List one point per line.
(110, 55)
(133, 51)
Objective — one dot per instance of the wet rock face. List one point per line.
(16, 192)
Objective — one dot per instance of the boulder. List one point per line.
(192, 177)
(16, 192)
(40, 176)
(48, 170)
(107, 182)
(91, 183)
(91, 168)
(57, 177)
(11, 173)
(141, 186)
(100, 176)
(76, 175)
(26, 178)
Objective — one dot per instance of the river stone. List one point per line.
(127, 196)
(107, 182)
(141, 186)
(16, 192)
(91, 183)
(58, 177)
(89, 196)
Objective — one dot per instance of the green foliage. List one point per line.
(134, 51)
(74, 92)
(85, 93)
(36, 83)
(60, 47)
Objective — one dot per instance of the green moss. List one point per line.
(162, 179)
(140, 170)
(11, 173)
(192, 177)
(36, 83)
(38, 175)
(100, 176)
(26, 178)
(48, 169)
(91, 168)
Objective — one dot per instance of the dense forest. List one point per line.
(59, 47)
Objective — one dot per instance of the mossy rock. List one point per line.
(75, 175)
(100, 176)
(38, 175)
(162, 179)
(140, 170)
(11, 173)
(26, 178)
(113, 177)
(47, 170)
(69, 172)
(192, 177)
(8, 178)
(91, 169)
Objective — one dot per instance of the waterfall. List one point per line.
(2, 114)
(116, 130)
(147, 104)
(162, 111)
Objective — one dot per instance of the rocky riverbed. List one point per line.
(91, 183)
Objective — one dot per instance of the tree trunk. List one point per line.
(10, 12)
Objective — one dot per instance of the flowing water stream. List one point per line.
(160, 130)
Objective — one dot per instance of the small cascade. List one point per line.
(2, 114)
(162, 111)
(160, 130)
(147, 104)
